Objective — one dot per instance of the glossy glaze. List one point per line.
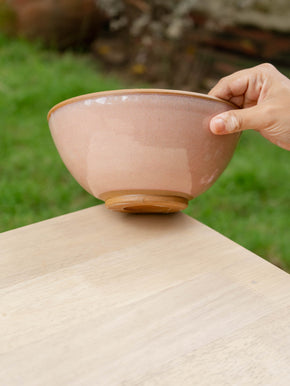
(134, 140)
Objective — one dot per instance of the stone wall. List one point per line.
(189, 43)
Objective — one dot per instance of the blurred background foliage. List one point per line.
(185, 44)
(55, 49)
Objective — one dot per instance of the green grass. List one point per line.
(249, 203)
(34, 184)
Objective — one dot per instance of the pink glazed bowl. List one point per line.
(142, 150)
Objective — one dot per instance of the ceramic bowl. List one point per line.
(142, 150)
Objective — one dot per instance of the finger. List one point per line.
(231, 86)
(243, 88)
(233, 121)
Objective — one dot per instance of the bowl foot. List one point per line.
(145, 202)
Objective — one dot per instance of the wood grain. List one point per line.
(101, 298)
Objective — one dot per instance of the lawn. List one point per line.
(249, 203)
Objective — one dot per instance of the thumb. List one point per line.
(238, 120)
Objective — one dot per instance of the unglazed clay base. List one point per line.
(145, 201)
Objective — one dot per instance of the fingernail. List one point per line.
(218, 125)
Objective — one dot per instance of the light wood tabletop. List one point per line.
(102, 298)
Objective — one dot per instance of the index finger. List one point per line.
(241, 88)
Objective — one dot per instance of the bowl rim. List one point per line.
(136, 91)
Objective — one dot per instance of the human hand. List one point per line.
(263, 94)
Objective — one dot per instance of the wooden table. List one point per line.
(102, 298)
